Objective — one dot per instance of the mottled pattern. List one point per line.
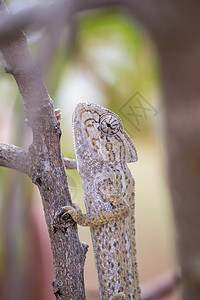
(103, 149)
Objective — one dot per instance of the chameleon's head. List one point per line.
(102, 134)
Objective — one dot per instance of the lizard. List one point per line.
(103, 148)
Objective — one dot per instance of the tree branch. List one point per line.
(161, 285)
(46, 168)
(14, 157)
(17, 158)
(44, 14)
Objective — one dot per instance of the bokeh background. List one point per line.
(112, 62)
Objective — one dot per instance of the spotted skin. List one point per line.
(103, 149)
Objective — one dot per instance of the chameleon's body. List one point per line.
(103, 149)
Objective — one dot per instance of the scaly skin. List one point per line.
(103, 149)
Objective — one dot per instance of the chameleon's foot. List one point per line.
(58, 114)
(119, 296)
(75, 212)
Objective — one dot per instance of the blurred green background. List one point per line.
(110, 61)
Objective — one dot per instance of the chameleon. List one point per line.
(103, 149)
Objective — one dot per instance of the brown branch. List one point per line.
(161, 285)
(39, 16)
(46, 168)
(14, 157)
(17, 158)
(46, 14)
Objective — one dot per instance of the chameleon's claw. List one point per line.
(58, 114)
(69, 210)
(74, 211)
(76, 206)
(119, 296)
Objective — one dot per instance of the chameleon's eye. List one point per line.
(109, 124)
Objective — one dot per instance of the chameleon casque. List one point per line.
(103, 149)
